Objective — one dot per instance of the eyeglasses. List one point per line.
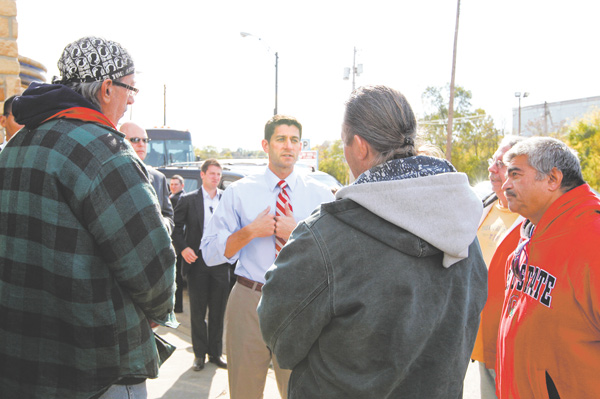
(132, 91)
(137, 140)
(499, 164)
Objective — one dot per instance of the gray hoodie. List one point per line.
(362, 301)
(441, 209)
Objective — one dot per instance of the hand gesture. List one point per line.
(284, 225)
(263, 225)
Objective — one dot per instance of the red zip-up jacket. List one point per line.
(549, 337)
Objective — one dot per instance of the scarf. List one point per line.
(82, 114)
(406, 168)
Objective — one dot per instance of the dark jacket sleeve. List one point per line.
(295, 303)
(161, 188)
(165, 205)
(180, 219)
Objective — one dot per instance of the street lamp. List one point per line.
(246, 34)
(356, 70)
(518, 94)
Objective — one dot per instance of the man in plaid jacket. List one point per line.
(86, 265)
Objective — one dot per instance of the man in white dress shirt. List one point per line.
(244, 229)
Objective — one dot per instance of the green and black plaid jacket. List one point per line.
(84, 262)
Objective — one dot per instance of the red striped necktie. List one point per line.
(282, 199)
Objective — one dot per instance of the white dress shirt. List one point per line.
(210, 206)
(241, 203)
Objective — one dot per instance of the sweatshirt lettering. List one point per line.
(538, 281)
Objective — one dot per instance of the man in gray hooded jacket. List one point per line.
(378, 294)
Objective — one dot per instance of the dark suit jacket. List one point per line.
(189, 225)
(159, 183)
(175, 198)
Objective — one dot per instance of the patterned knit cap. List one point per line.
(92, 59)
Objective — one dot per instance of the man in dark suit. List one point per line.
(177, 185)
(208, 286)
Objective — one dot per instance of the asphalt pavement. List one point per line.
(177, 379)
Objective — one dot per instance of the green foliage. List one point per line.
(212, 152)
(332, 161)
(207, 152)
(584, 137)
(474, 136)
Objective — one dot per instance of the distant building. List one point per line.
(542, 119)
(31, 71)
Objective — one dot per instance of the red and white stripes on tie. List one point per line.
(282, 199)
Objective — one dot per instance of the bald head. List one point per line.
(137, 136)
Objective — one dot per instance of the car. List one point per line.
(234, 170)
(191, 176)
(326, 179)
(255, 166)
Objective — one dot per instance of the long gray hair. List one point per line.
(88, 90)
(383, 117)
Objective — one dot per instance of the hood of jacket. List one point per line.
(41, 101)
(424, 196)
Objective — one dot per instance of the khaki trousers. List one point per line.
(248, 357)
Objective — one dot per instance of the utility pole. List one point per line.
(356, 71)
(276, 82)
(546, 118)
(246, 34)
(451, 105)
(165, 105)
(518, 94)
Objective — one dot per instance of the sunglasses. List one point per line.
(137, 140)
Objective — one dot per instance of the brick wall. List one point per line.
(9, 65)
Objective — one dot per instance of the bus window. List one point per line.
(169, 146)
(156, 153)
(179, 151)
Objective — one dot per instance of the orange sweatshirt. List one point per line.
(485, 345)
(549, 336)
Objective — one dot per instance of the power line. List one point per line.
(462, 119)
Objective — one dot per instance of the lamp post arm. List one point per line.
(276, 80)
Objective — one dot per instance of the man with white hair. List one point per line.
(498, 236)
(549, 337)
(86, 265)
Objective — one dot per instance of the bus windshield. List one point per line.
(169, 146)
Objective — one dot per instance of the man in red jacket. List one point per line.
(549, 336)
